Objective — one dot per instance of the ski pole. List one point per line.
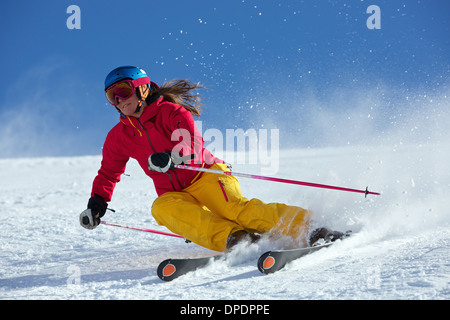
(253, 176)
(141, 229)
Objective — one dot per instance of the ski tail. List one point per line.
(166, 270)
(171, 269)
(272, 261)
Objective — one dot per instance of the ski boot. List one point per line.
(239, 236)
(327, 235)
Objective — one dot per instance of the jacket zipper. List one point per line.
(153, 148)
(148, 136)
(221, 184)
(170, 180)
(178, 180)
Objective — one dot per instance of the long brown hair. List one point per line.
(181, 92)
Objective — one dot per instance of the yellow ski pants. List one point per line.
(212, 208)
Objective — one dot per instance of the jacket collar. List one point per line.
(150, 111)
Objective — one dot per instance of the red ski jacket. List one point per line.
(162, 127)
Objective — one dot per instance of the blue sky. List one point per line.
(311, 69)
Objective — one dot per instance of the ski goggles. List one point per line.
(123, 89)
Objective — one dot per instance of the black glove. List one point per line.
(160, 162)
(90, 218)
(97, 205)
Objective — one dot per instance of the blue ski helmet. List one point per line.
(126, 72)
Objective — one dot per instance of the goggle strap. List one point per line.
(140, 81)
(143, 92)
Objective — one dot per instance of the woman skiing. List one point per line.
(157, 129)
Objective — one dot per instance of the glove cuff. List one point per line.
(97, 205)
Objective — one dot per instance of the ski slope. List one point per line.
(400, 249)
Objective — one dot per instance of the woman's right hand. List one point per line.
(90, 218)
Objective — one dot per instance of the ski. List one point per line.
(275, 260)
(173, 268)
(269, 262)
